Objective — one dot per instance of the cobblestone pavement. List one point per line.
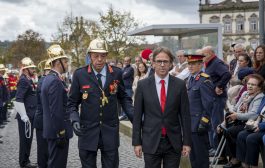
(9, 150)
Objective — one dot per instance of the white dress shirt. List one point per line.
(158, 85)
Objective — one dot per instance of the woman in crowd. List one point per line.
(248, 142)
(141, 74)
(245, 109)
(259, 60)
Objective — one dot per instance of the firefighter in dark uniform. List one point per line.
(3, 97)
(98, 87)
(26, 105)
(201, 98)
(57, 127)
(42, 145)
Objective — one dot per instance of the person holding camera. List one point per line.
(201, 97)
(245, 109)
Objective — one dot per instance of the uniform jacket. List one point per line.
(94, 118)
(201, 98)
(54, 100)
(26, 93)
(128, 76)
(176, 116)
(219, 73)
(38, 119)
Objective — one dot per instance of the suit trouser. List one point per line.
(166, 153)
(24, 143)
(248, 147)
(42, 150)
(1, 115)
(57, 155)
(109, 159)
(199, 155)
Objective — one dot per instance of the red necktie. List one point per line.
(163, 102)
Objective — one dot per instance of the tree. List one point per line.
(114, 28)
(29, 44)
(74, 35)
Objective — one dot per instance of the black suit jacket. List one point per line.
(148, 117)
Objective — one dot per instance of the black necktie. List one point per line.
(99, 80)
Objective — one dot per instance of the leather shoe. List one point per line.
(1, 141)
(231, 165)
(2, 126)
(123, 118)
(30, 165)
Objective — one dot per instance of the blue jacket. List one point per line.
(38, 119)
(26, 93)
(128, 76)
(54, 100)
(219, 73)
(94, 118)
(201, 98)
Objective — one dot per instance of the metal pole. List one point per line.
(261, 22)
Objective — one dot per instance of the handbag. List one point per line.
(251, 124)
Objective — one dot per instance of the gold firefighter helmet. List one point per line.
(98, 46)
(27, 63)
(47, 65)
(2, 67)
(55, 52)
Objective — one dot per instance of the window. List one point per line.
(214, 19)
(227, 24)
(239, 24)
(254, 43)
(253, 23)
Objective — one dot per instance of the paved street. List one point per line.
(9, 150)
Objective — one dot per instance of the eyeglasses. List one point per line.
(252, 84)
(165, 62)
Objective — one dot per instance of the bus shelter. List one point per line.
(188, 37)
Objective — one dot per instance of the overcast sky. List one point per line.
(43, 16)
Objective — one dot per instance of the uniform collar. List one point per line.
(209, 61)
(103, 72)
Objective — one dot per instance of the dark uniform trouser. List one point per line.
(231, 139)
(248, 147)
(57, 156)
(165, 152)
(24, 143)
(199, 156)
(109, 159)
(42, 150)
(1, 115)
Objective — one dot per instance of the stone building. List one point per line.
(239, 19)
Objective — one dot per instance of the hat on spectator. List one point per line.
(242, 73)
(145, 53)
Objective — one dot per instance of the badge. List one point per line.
(85, 95)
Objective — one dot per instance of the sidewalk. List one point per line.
(10, 147)
(126, 128)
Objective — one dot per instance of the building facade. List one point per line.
(239, 19)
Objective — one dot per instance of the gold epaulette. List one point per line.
(205, 75)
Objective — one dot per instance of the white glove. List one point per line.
(20, 108)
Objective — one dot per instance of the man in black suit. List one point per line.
(97, 88)
(161, 125)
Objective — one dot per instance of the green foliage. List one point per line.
(114, 28)
(74, 35)
(29, 44)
